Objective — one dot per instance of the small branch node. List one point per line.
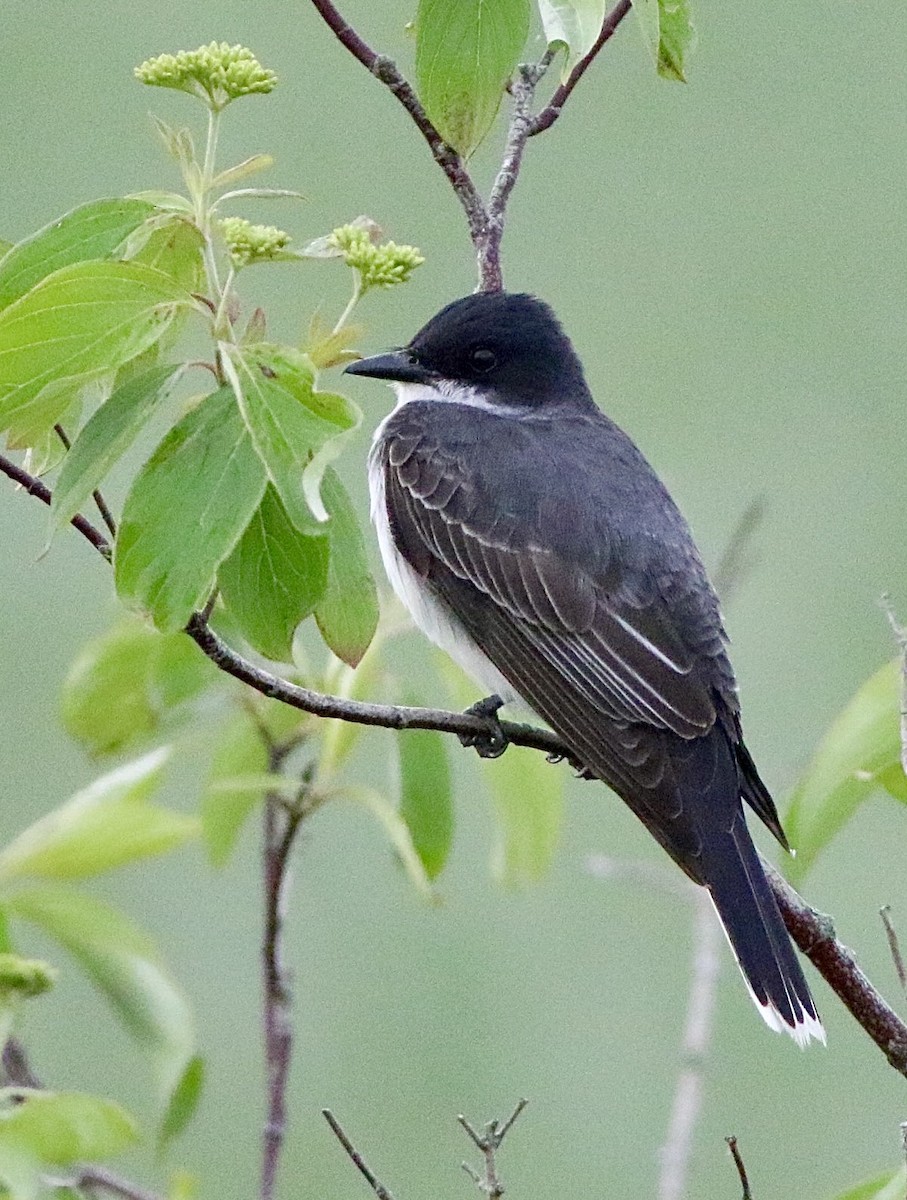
(741, 1169)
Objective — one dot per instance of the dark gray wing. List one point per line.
(609, 631)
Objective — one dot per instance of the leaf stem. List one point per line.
(353, 301)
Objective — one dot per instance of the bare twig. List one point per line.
(697, 1036)
(488, 248)
(555, 106)
(812, 931)
(489, 1142)
(741, 1169)
(356, 1158)
(42, 492)
(100, 502)
(815, 935)
(386, 70)
(894, 945)
(485, 220)
(98, 1181)
(281, 826)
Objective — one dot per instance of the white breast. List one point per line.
(434, 619)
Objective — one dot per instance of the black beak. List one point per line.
(397, 365)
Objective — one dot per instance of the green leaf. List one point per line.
(240, 753)
(289, 423)
(103, 826)
(465, 54)
(186, 511)
(174, 245)
(106, 437)
(398, 834)
(183, 1102)
(574, 24)
(668, 32)
(274, 578)
(80, 323)
(860, 753)
(125, 684)
(92, 231)
(122, 962)
(426, 803)
(347, 614)
(63, 1128)
(528, 799)
(677, 39)
(887, 1186)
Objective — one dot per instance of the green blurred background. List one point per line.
(730, 258)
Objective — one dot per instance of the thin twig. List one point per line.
(741, 1169)
(555, 105)
(98, 1180)
(100, 502)
(42, 492)
(489, 1143)
(522, 90)
(280, 829)
(812, 931)
(386, 70)
(815, 935)
(894, 945)
(677, 1150)
(387, 716)
(356, 1158)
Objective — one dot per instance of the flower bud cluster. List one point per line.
(218, 73)
(383, 265)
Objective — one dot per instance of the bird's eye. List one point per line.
(483, 360)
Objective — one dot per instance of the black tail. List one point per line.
(761, 944)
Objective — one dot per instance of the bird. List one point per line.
(531, 540)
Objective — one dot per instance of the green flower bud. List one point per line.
(217, 73)
(23, 978)
(248, 243)
(383, 265)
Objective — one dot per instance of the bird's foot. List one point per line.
(492, 741)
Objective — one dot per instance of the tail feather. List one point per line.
(762, 947)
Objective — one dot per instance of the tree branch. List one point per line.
(488, 250)
(812, 931)
(555, 106)
(387, 71)
(96, 1180)
(41, 491)
(281, 826)
(485, 220)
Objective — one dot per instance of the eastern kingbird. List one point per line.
(530, 539)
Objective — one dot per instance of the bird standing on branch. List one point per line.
(530, 539)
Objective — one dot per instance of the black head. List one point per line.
(507, 346)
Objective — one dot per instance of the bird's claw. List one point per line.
(492, 741)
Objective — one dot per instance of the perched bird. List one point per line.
(530, 539)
